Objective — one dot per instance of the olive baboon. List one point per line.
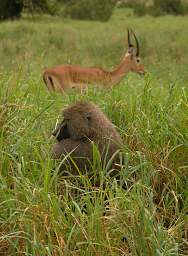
(83, 124)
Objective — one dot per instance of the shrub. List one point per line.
(158, 8)
(10, 9)
(139, 9)
(123, 4)
(90, 9)
(169, 6)
(155, 11)
(45, 6)
(185, 7)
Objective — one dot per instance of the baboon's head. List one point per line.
(76, 122)
(85, 120)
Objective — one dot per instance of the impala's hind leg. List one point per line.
(53, 84)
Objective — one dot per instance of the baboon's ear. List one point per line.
(89, 115)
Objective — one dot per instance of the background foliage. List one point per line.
(38, 213)
(157, 7)
(82, 9)
(45, 6)
(90, 9)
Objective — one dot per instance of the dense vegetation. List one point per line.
(82, 9)
(156, 7)
(90, 9)
(38, 214)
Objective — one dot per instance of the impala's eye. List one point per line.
(138, 60)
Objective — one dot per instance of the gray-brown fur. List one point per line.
(83, 124)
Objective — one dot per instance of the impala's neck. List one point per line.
(120, 71)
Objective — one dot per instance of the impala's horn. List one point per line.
(129, 38)
(137, 44)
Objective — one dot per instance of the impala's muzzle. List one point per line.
(142, 73)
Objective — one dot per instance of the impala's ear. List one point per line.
(137, 53)
(128, 38)
(130, 45)
(131, 52)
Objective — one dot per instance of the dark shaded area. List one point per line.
(10, 9)
(61, 132)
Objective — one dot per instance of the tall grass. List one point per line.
(38, 213)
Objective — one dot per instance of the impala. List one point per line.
(64, 77)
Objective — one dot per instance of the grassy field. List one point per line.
(149, 216)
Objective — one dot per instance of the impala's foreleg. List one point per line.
(80, 88)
